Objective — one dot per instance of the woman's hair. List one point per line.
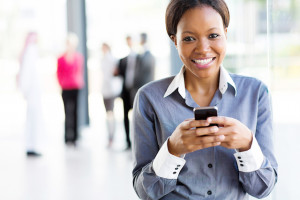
(177, 8)
(104, 44)
(72, 39)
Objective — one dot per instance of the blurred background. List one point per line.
(263, 41)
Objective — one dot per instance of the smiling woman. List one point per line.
(201, 44)
(178, 157)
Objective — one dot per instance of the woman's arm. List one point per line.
(255, 158)
(261, 182)
(157, 168)
(145, 148)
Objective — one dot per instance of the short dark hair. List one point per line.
(144, 37)
(177, 8)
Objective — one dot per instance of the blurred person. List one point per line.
(126, 69)
(29, 84)
(145, 66)
(111, 88)
(70, 77)
(178, 157)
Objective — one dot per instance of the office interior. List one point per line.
(263, 41)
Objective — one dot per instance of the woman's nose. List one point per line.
(202, 46)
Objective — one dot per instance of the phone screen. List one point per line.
(202, 113)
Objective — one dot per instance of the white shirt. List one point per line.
(131, 61)
(111, 86)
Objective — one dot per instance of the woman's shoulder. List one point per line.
(156, 87)
(239, 79)
(61, 57)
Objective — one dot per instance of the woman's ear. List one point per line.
(225, 31)
(173, 38)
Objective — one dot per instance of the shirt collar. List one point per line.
(132, 53)
(178, 82)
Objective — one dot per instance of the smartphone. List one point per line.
(202, 113)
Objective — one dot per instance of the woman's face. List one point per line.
(201, 41)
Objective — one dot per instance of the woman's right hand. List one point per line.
(187, 138)
(116, 72)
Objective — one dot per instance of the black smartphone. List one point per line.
(202, 113)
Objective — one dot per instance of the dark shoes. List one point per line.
(33, 154)
(128, 148)
(70, 143)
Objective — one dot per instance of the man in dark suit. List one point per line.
(126, 69)
(145, 67)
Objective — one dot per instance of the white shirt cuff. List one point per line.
(166, 165)
(251, 160)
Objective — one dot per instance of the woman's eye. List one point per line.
(188, 39)
(214, 35)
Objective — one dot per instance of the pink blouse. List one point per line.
(70, 73)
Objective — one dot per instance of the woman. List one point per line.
(175, 160)
(70, 78)
(111, 88)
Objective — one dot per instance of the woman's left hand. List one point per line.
(237, 135)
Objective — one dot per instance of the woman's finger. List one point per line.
(209, 139)
(206, 130)
(199, 123)
(221, 120)
(188, 124)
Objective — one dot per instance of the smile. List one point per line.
(204, 62)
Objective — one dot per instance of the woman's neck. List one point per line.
(69, 55)
(201, 89)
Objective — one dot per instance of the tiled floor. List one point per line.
(91, 171)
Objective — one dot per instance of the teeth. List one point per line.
(203, 61)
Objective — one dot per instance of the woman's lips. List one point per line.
(203, 62)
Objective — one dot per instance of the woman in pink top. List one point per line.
(70, 78)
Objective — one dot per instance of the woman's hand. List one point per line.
(237, 135)
(116, 72)
(187, 138)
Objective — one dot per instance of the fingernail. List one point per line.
(221, 137)
(214, 129)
